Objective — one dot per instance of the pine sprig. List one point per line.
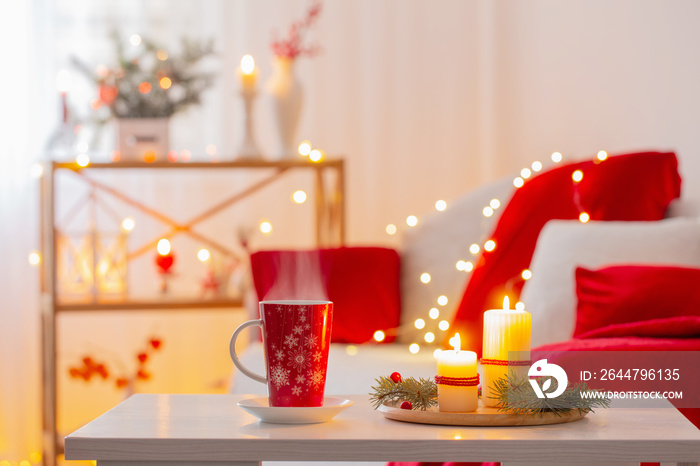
(515, 395)
(422, 393)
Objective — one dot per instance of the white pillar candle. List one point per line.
(248, 74)
(457, 364)
(506, 338)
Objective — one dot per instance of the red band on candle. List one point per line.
(457, 381)
(504, 362)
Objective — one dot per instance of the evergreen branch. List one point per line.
(422, 393)
(515, 395)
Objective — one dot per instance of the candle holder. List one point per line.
(249, 149)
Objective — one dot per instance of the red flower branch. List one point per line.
(293, 46)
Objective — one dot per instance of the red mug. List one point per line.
(296, 338)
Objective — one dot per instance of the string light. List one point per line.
(299, 197)
(172, 156)
(135, 40)
(526, 274)
(145, 87)
(36, 171)
(584, 217)
(115, 156)
(185, 155)
(304, 148)
(34, 258)
(316, 155)
(162, 55)
(149, 156)
(443, 325)
(425, 277)
(436, 353)
(536, 166)
(419, 324)
(525, 173)
(518, 182)
(203, 255)
(557, 157)
(441, 205)
(429, 337)
(520, 306)
(265, 227)
(490, 245)
(461, 265)
(602, 155)
(577, 176)
(211, 150)
(412, 220)
(83, 160)
(495, 204)
(434, 313)
(351, 350)
(414, 348)
(474, 249)
(391, 229)
(128, 224)
(163, 247)
(442, 300)
(488, 211)
(379, 336)
(165, 82)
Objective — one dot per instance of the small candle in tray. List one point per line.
(457, 379)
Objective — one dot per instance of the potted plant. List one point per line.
(144, 89)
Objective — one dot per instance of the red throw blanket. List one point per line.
(672, 334)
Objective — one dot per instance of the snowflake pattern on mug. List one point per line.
(297, 352)
(279, 376)
(299, 359)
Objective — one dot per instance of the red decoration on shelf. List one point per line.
(165, 262)
(90, 367)
(396, 377)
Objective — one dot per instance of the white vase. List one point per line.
(140, 139)
(286, 92)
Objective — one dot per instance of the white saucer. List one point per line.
(260, 408)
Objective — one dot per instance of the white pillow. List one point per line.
(434, 246)
(550, 295)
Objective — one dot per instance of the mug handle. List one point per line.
(234, 356)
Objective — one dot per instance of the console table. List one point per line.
(212, 429)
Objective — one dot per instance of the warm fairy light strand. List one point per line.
(475, 249)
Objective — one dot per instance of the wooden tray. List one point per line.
(483, 416)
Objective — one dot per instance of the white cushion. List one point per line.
(434, 246)
(550, 295)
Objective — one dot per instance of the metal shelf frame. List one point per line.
(329, 212)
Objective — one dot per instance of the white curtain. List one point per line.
(19, 323)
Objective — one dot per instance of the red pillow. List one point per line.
(634, 293)
(626, 187)
(363, 284)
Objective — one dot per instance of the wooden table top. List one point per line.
(214, 428)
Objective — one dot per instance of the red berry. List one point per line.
(406, 405)
(155, 343)
(142, 357)
(396, 377)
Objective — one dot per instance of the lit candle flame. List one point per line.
(456, 342)
(506, 303)
(247, 64)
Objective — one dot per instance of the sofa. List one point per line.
(560, 247)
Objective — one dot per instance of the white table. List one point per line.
(210, 429)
